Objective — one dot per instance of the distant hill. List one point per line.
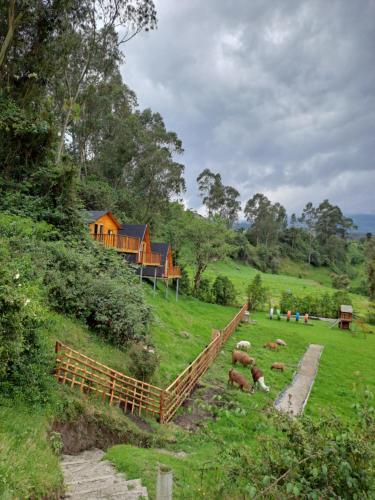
(365, 222)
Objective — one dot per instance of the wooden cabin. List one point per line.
(345, 316)
(144, 254)
(166, 269)
(105, 228)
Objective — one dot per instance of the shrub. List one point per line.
(325, 458)
(340, 281)
(325, 305)
(223, 291)
(204, 291)
(185, 282)
(256, 293)
(143, 360)
(24, 362)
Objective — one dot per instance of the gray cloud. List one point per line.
(278, 97)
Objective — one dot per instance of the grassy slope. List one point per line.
(313, 282)
(347, 367)
(24, 431)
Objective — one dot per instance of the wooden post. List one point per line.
(164, 484)
(141, 274)
(177, 289)
(166, 288)
(155, 281)
(161, 408)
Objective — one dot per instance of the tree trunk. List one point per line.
(12, 24)
(198, 277)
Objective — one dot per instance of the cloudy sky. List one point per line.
(278, 95)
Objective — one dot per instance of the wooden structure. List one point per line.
(144, 255)
(105, 228)
(135, 396)
(166, 269)
(345, 317)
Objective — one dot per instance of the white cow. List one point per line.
(243, 345)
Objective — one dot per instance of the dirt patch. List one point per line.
(141, 424)
(200, 406)
(96, 431)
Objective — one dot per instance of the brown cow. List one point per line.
(242, 358)
(271, 345)
(239, 379)
(278, 366)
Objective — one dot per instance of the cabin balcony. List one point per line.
(150, 258)
(174, 272)
(126, 244)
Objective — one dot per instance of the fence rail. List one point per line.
(136, 396)
(129, 244)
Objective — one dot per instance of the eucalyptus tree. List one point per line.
(219, 199)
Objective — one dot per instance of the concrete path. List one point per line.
(87, 476)
(294, 398)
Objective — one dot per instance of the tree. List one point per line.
(223, 291)
(207, 242)
(309, 219)
(256, 293)
(219, 199)
(370, 266)
(267, 220)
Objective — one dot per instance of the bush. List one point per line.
(324, 458)
(24, 361)
(204, 291)
(256, 293)
(340, 281)
(143, 361)
(325, 305)
(223, 291)
(185, 283)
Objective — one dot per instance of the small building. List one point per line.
(166, 269)
(345, 317)
(105, 228)
(143, 253)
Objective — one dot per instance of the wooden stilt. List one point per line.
(178, 281)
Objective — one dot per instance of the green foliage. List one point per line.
(94, 285)
(204, 291)
(185, 283)
(371, 313)
(324, 458)
(223, 291)
(143, 360)
(256, 293)
(326, 305)
(370, 265)
(24, 363)
(340, 281)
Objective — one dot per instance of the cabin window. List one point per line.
(101, 229)
(96, 229)
(110, 231)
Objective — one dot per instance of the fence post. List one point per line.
(161, 408)
(164, 483)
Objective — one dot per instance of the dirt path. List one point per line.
(294, 398)
(88, 476)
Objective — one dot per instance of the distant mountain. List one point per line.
(365, 222)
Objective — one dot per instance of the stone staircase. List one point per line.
(87, 476)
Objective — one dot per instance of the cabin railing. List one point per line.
(128, 244)
(174, 272)
(150, 258)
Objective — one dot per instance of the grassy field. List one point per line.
(301, 280)
(347, 368)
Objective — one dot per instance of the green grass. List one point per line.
(347, 367)
(28, 466)
(312, 282)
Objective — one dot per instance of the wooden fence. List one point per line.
(135, 396)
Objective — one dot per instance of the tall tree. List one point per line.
(206, 239)
(309, 219)
(267, 220)
(219, 199)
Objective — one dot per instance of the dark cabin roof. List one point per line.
(96, 214)
(135, 230)
(161, 248)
